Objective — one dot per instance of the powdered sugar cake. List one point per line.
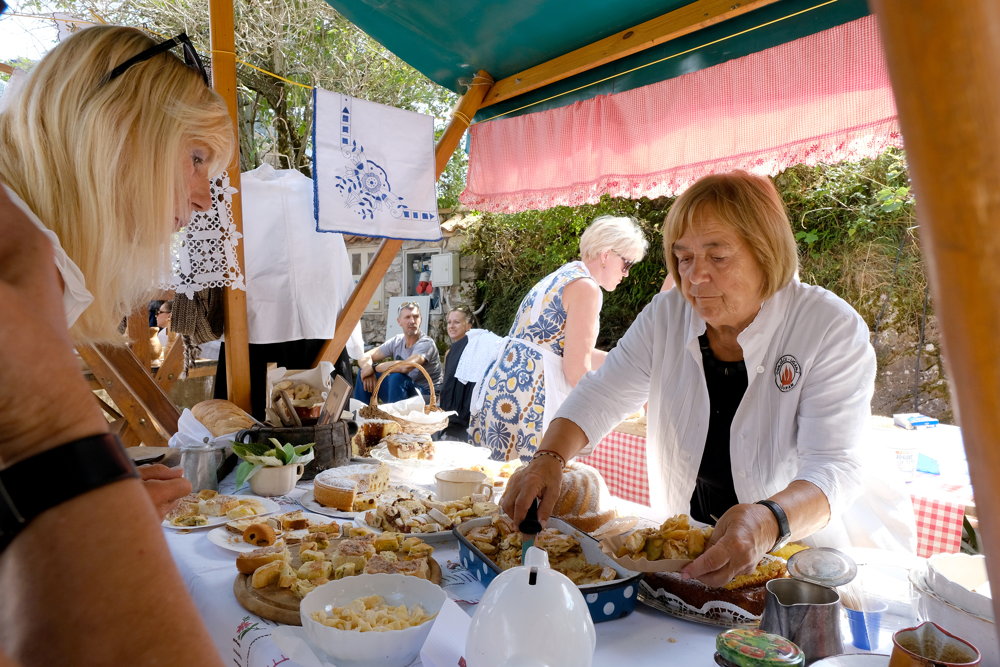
(341, 487)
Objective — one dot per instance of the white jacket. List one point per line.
(811, 377)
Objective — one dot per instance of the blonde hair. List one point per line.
(98, 162)
(750, 207)
(622, 235)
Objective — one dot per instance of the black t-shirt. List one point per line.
(714, 492)
(456, 395)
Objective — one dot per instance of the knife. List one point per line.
(529, 527)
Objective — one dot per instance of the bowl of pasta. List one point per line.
(371, 620)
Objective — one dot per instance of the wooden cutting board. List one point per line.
(280, 604)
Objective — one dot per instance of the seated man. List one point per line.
(411, 346)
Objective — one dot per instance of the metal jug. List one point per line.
(806, 614)
(806, 608)
(200, 467)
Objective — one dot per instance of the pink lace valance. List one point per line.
(822, 98)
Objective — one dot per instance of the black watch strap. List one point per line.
(41, 482)
(784, 531)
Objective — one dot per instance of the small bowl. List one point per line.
(393, 648)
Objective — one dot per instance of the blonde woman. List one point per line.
(106, 150)
(551, 343)
(111, 165)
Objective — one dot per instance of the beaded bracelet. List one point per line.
(546, 452)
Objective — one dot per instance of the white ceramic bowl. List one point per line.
(394, 648)
(953, 576)
(979, 632)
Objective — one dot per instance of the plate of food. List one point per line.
(418, 451)
(661, 552)
(488, 546)
(272, 580)
(244, 535)
(351, 490)
(429, 519)
(208, 509)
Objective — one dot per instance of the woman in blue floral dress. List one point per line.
(551, 343)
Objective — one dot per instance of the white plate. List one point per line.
(446, 455)
(270, 507)
(308, 500)
(233, 542)
(430, 538)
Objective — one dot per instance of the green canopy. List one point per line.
(449, 41)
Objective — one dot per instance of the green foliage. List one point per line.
(849, 220)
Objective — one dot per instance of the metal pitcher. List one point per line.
(805, 613)
(199, 464)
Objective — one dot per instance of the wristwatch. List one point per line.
(784, 532)
(56, 475)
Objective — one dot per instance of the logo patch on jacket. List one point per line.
(787, 373)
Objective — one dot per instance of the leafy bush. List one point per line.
(850, 219)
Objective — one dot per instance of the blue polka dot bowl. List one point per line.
(607, 600)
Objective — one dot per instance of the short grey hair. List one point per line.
(622, 235)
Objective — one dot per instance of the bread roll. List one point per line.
(221, 417)
(259, 535)
(582, 497)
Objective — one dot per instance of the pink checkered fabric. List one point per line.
(822, 98)
(621, 460)
(939, 526)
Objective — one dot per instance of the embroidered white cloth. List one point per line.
(204, 253)
(479, 354)
(374, 169)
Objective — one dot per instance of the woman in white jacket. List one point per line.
(759, 386)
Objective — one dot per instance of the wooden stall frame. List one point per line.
(944, 63)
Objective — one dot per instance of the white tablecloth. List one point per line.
(646, 638)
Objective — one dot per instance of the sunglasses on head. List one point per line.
(191, 58)
(408, 304)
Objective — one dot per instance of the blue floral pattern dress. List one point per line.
(510, 420)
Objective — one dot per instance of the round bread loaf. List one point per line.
(221, 417)
(582, 498)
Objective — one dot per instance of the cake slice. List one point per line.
(408, 446)
(339, 487)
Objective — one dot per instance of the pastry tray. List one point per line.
(606, 600)
(718, 614)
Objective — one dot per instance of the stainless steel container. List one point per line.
(200, 468)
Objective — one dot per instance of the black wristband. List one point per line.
(784, 531)
(45, 480)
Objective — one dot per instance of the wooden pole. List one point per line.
(944, 61)
(222, 26)
(363, 291)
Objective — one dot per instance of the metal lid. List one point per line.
(823, 566)
(755, 648)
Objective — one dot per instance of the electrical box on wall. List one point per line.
(445, 269)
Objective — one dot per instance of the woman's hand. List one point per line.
(541, 478)
(165, 486)
(741, 538)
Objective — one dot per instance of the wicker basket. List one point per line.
(373, 412)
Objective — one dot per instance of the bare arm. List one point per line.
(405, 367)
(75, 579)
(542, 477)
(365, 370)
(582, 301)
(746, 532)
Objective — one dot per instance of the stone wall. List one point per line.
(373, 326)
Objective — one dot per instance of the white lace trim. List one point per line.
(204, 253)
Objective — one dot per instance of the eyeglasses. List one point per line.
(191, 58)
(163, 312)
(626, 264)
(408, 304)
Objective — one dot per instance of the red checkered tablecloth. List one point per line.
(939, 526)
(621, 460)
